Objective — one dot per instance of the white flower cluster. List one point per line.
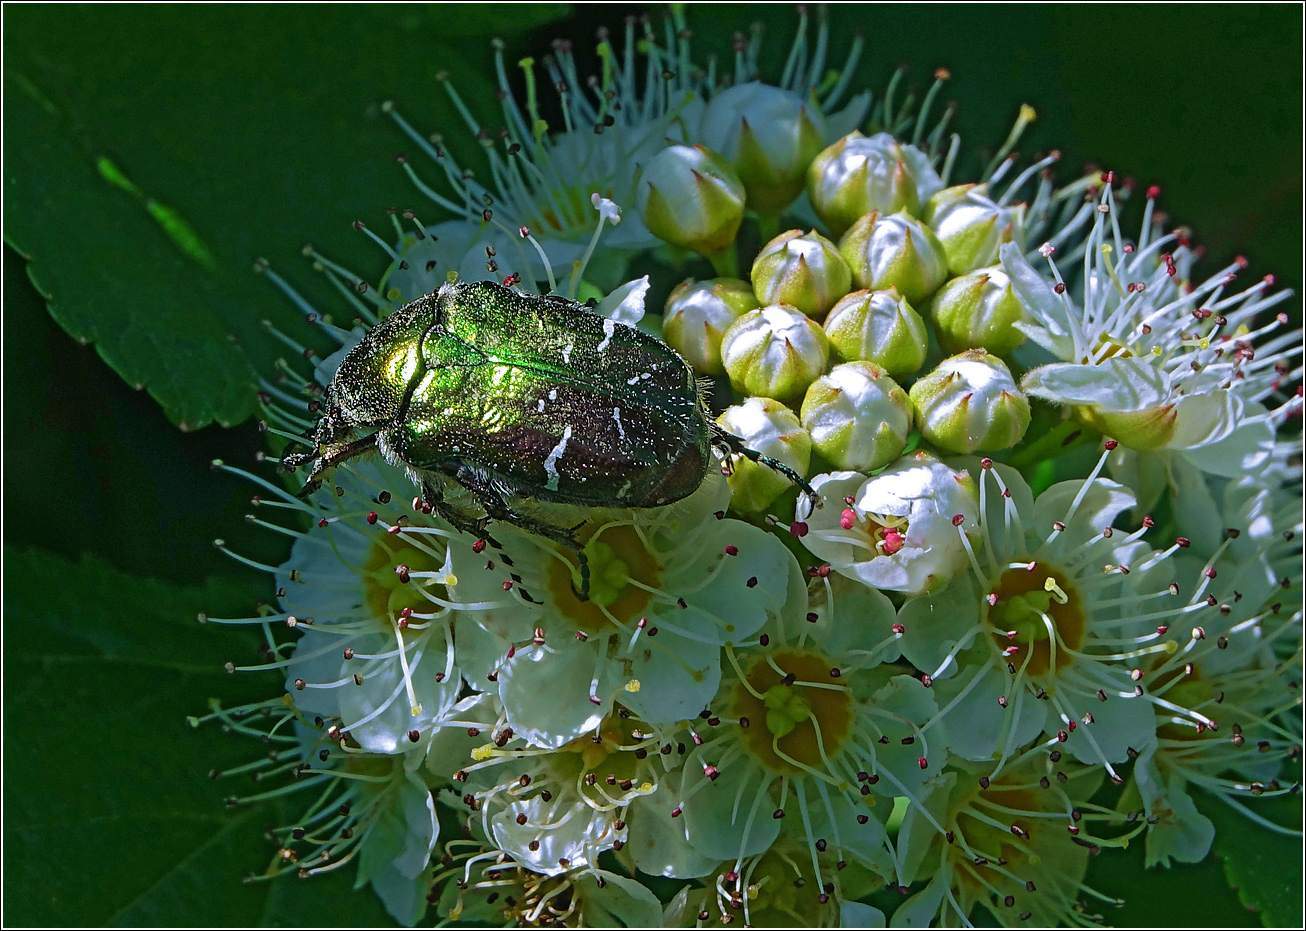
(920, 685)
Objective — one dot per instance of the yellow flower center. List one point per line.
(617, 557)
(796, 715)
(1033, 605)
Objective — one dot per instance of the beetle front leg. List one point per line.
(725, 440)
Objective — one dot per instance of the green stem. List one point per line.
(1065, 435)
(768, 226)
(726, 262)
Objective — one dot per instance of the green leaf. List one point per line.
(164, 150)
(110, 817)
(1264, 866)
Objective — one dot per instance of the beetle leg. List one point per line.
(727, 441)
(432, 495)
(326, 463)
(498, 509)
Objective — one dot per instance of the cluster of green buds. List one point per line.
(884, 326)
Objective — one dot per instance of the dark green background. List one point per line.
(259, 125)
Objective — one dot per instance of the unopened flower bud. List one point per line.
(971, 226)
(895, 252)
(970, 402)
(769, 135)
(773, 430)
(858, 416)
(978, 311)
(859, 174)
(806, 271)
(698, 315)
(774, 352)
(879, 327)
(690, 196)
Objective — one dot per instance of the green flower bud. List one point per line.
(690, 196)
(770, 135)
(773, 430)
(895, 252)
(971, 226)
(699, 313)
(805, 271)
(879, 327)
(858, 416)
(970, 402)
(858, 174)
(978, 311)
(774, 352)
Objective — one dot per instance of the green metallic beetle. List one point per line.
(515, 396)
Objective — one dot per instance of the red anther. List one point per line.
(1269, 281)
(394, 531)
(922, 762)
(507, 586)
(478, 546)
(323, 522)
(1109, 177)
(732, 550)
(1148, 522)
(732, 876)
(899, 629)
(958, 519)
(523, 231)
(1071, 725)
(798, 529)
(823, 572)
(675, 812)
(582, 636)
(1110, 444)
(1153, 191)
(927, 680)
(1183, 542)
(1240, 261)
(992, 599)
(711, 771)
(848, 519)
(1129, 248)
(986, 463)
(595, 700)
(1062, 736)
(538, 639)
(371, 517)
(511, 280)
(512, 651)
(1059, 287)
(1163, 629)
(1209, 573)
(358, 225)
(417, 503)
(406, 612)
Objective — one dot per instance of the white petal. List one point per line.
(626, 303)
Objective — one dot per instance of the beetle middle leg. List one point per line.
(498, 509)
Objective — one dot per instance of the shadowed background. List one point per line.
(260, 127)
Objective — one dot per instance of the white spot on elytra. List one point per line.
(551, 460)
(553, 394)
(566, 354)
(540, 406)
(616, 415)
(609, 327)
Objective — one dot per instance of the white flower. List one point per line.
(897, 531)
(668, 588)
(1157, 361)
